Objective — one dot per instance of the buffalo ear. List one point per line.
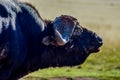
(63, 28)
(46, 40)
(49, 40)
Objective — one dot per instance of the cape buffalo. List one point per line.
(29, 43)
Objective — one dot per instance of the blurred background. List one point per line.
(101, 16)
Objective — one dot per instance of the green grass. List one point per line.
(101, 16)
(75, 72)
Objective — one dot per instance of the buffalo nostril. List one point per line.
(100, 40)
(100, 43)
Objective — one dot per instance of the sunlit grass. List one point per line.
(75, 72)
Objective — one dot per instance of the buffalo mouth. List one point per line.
(97, 49)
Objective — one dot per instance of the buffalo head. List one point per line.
(70, 43)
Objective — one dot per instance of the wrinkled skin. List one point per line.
(29, 43)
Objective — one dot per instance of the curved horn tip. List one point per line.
(60, 41)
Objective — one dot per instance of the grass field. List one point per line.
(101, 16)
